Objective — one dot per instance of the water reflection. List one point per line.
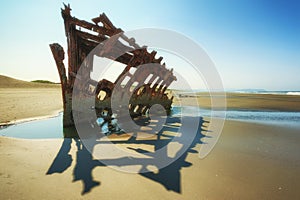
(53, 127)
(37, 129)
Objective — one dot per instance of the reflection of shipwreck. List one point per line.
(82, 38)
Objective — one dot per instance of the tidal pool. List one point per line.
(53, 128)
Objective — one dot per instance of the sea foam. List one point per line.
(293, 93)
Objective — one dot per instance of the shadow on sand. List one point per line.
(169, 176)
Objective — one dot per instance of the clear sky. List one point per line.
(254, 43)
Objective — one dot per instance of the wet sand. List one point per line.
(244, 101)
(17, 104)
(22, 100)
(250, 161)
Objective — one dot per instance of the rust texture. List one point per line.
(81, 43)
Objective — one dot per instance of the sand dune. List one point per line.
(250, 161)
(21, 100)
(8, 82)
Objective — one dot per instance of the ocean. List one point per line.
(281, 118)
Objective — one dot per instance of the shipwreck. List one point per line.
(82, 38)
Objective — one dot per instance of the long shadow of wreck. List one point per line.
(101, 39)
(169, 176)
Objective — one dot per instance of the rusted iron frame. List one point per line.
(81, 43)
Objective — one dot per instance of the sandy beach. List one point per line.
(250, 161)
(21, 100)
(245, 101)
(150, 100)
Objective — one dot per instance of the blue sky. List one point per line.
(254, 43)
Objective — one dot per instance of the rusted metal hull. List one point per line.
(81, 43)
